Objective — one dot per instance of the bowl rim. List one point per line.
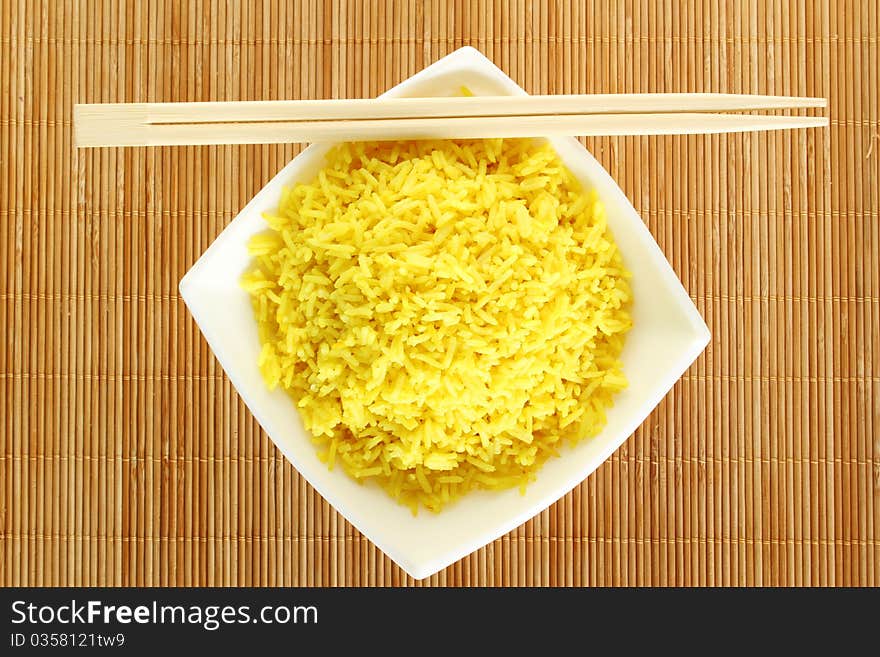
(471, 58)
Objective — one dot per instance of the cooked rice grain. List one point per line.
(444, 313)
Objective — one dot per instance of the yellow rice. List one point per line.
(445, 314)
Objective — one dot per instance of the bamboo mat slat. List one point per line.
(127, 459)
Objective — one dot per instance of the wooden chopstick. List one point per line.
(154, 124)
(437, 128)
(392, 108)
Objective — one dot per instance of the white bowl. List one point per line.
(667, 336)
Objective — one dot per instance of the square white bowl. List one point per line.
(667, 336)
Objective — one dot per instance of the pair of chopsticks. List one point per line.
(465, 117)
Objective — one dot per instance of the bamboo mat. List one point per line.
(126, 458)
